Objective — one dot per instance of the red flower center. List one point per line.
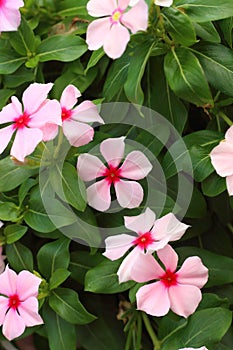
(14, 301)
(144, 240)
(22, 121)
(112, 174)
(65, 114)
(169, 278)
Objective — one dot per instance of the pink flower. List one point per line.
(18, 302)
(222, 159)
(27, 121)
(112, 30)
(135, 167)
(152, 235)
(74, 120)
(10, 15)
(164, 3)
(175, 290)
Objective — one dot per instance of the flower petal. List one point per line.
(129, 193)
(112, 150)
(27, 285)
(229, 183)
(96, 33)
(123, 4)
(136, 166)
(222, 158)
(25, 142)
(10, 112)
(229, 135)
(140, 223)
(164, 3)
(168, 257)
(14, 4)
(78, 134)
(98, 195)
(4, 306)
(49, 131)
(34, 96)
(69, 96)
(193, 272)
(117, 246)
(13, 325)
(89, 167)
(48, 112)
(28, 310)
(125, 270)
(8, 282)
(153, 299)
(184, 299)
(137, 17)
(116, 40)
(98, 8)
(9, 19)
(146, 269)
(5, 137)
(87, 112)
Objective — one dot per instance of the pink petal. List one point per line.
(8, 282)
(97, 8)
(184, 299)
(25, 142)
(168, 257)
(9, 19)
(123, 4)
(34, 96)
(78, 134)
(89, 167)
(116, 40)
(136, 166)
(117, 246)
(5, 137)
(164, 3)
(14, 4)
(96, 33)
(49, 131)
(193, 272)
(28, 310)
(4, 306)
(13, 325)
(229, 183)
(27, 285)
(222, 158)
(112, 150)
(125, 270)
(153, 299)
(10, 112)
(229, 135)
(87, 112)
(69, 96)
(140, 223)
(48, 112)
(137, 17)
(98, 195)
(146, 269)
(129, 193)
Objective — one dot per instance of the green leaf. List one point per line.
(58, 277)
(20, 257)
(24, 189)
(9, 60)
(217, 62)
(207, 32)
(9, 211)
(226, 26)
(103, 278)
(23, 40)
(186, 77)
(20, 76)
(5, 94)
(65, 302)
(71, 8)
(202, 166)
(179, 26)
(65, 48)
(14, 232)
(205, 10)
(213, 185)
(95, 58)
(53, 256)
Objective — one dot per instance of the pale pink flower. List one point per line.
(10, 15)
(18, 302)
(136, 166)
(28, 120)
(222, 159)
(112, 30)
(175, 290)
(202, 348)
(152, 235)
(164, 3)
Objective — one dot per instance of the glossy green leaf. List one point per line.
(95, 58)
(5, 94)
(19, 257)
(226, 26)
(14, 232)
(9, 211)
(9, 60)
(213, 185)
(58, 277)
(207, 32)
(186, 78)
(202, 166)
(23, 40)
(25, 188)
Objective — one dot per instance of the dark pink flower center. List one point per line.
(112, 174)
(65, 114)
(2, 2)
(144, 240)
(116, 16)
(22, 121)
(169, 278)
(14, 301)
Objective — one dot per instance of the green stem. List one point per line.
(59, 143)
(225, 118)
(139, 332)
(151, 332)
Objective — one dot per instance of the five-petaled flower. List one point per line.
(152, 235)
(175, 290)
(18, 302)
(136, 166)
(164, 3)
(28, 121)
(10, 15)
(112, 30)
(222, 159)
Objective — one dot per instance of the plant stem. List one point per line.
(151, 332)
(225, 118)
